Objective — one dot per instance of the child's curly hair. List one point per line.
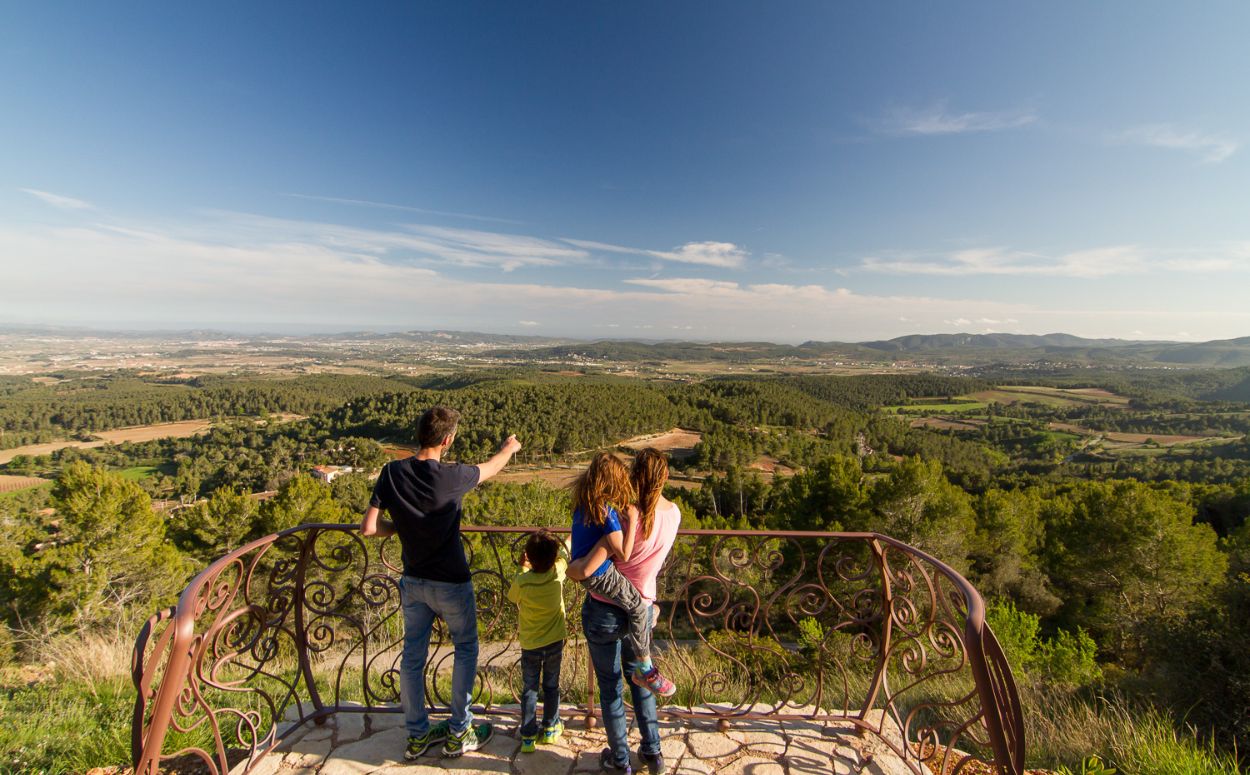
(605, 482)
(541, 549)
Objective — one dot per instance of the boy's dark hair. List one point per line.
(541, 550)
(436, 424)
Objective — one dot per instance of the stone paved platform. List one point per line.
(367, 744)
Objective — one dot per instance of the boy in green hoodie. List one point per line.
(538, 593)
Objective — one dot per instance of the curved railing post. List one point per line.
(301, 626)
(878, 678)
(173, 682)
(1004, 724)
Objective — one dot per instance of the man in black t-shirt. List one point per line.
(422, 495)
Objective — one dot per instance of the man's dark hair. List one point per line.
(436, 424)
(541, 550)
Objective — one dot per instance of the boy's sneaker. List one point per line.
(607, 763)
(470, 739)
(654, 762)
(551, 734)
(419, 745)
(527, 745)
(655, 682)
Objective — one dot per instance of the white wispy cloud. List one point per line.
(405, 208)
(939, 119)
(1228, 257)
(1210, 148)
(1097, 262)
(723, 254)
(57, 200)
(413, 243)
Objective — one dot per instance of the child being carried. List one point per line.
(600, 533)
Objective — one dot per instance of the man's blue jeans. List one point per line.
(422, 600)
(605, 627)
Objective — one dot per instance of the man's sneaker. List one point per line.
(551, 734)
(470, 739)
(527, 745)
(654, 762)
(419, 745)
(607, 763)
(655, 682)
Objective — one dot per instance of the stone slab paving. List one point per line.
(373, 744)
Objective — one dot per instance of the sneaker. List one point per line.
(655, 682)
(471, 739)
(551, 734)
(527, 745)
(419, 745)
(607, 763)
(654, 762)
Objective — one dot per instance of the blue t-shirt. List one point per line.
(586, 536)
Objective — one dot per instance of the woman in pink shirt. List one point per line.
(606, 626)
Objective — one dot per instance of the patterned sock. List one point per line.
(644, 666)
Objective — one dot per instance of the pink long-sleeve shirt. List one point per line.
(649, 553)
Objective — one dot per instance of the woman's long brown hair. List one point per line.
(649, 473)
(605, 482)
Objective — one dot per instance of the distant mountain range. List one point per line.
(925, 348)
(936, 349)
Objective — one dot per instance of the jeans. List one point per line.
(422, 600)
(544, 661)
(606, 628)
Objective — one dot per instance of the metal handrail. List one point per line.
(237, 660)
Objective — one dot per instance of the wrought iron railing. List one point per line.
(856, 628)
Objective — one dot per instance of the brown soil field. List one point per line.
(139, 433)
(1010, 394)
(150, 432)
(556, 477)
(1131, 438)
(770, 467)
(35, 450)
(15, 483)
(676, 442)
(1105, 395)
(939, 423)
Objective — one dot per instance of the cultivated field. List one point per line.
(15, 483)
(947, 424)
(1010, 394)
(135, 434)
(1164, 440)
(677, 442)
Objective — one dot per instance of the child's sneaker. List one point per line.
(419, 745)
(655, 682)
(527, 745)
(551, 734)
(607, 763)
(470, 739)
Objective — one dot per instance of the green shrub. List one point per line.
(1065, 662)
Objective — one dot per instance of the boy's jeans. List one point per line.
(606, 627)
(422, 600)
(545, 660)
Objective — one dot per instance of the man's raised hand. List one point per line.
(511, 445)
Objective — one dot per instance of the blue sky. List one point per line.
(783, 171)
